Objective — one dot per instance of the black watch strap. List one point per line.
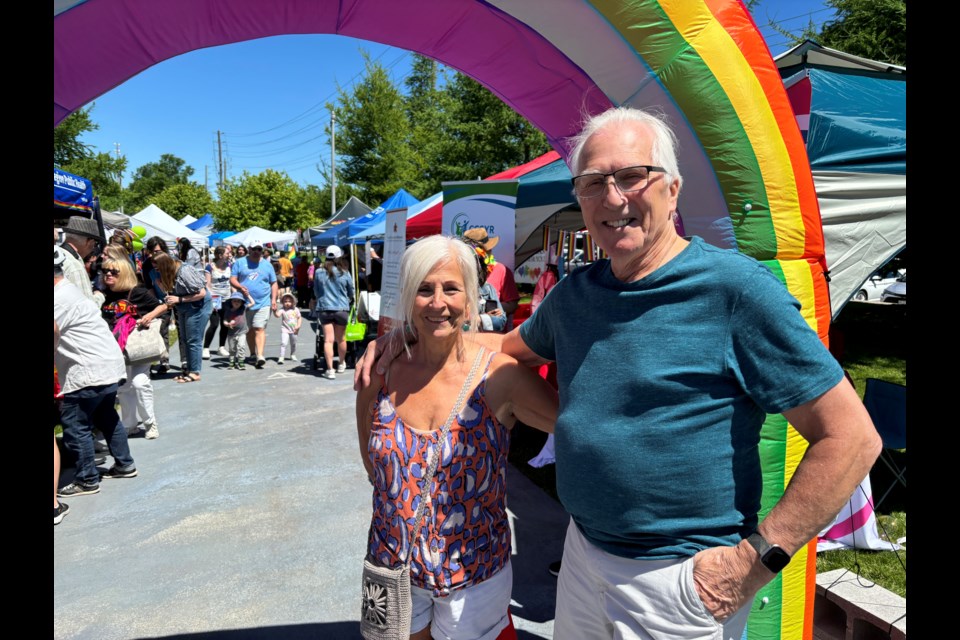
(772, 556)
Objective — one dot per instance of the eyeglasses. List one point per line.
(592, 185)
(111, 272)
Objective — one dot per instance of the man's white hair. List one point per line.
(664, 151)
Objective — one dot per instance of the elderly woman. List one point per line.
(127, 300)
(185, 290)
(460, 570)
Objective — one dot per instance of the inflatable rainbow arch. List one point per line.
(747, 181)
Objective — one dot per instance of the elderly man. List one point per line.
(90, 367)
(669, 354)
(80, 239)
(255, 278)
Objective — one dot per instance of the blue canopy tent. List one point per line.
(216, 239)
(852, 114)
(341, 234)
(203, 223)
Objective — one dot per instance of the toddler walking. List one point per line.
(235, 320)
(290, 321)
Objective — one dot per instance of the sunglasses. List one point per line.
(111, 272)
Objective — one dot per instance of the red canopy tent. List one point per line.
(429, 221)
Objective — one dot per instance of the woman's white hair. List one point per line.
(424, 256)
(663, 153)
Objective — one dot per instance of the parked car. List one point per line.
(897, 292)
(876, 284)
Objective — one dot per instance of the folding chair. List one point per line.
(886, 402)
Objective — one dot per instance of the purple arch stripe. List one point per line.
(101, 43)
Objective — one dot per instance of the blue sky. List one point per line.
(267, 96)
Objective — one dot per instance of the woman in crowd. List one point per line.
(460, 568)
(333, 288)
(156, 246)
(185, 290)
(188, 254)
(218, 281)
(241, 252)
(132, 305)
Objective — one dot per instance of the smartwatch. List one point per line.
(772, 556)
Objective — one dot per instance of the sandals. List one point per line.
(188, 377)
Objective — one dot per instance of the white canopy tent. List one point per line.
(261, 234)
(158, 222)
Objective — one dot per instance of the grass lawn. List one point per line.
(872, 344)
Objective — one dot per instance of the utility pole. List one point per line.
(206, 177)
(333, 165)
(220, 165)
(119, 176)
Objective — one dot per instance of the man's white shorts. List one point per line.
(258, 319)
(477, 612)
(600, 595)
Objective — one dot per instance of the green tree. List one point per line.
(269, 199)
(180, 200)
(152, 178)
(485, 136)
(429, 110)
(103, 170)
(67, 147)
(874, 29)
(373, 136)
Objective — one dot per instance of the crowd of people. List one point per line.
(102, 294)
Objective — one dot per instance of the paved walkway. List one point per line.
(249, 518)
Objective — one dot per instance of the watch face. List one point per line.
(775, 559)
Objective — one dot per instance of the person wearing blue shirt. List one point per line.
(669, 355)
(256, 279)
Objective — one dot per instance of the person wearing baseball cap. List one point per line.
(81, 238)
(333, 288)
(256, 279)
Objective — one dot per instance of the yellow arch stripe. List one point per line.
(702, 31)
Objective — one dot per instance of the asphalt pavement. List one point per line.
(249, 517)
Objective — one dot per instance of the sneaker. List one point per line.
(99, 460)
(60, 512)
(241, 366)
(78, 488)
(329, 374)
(152, 432)
(554, 568)
(119, 472)
(279, 360)
(294, 358)
(223, 351)
(260, 363)
(100, 446)
(341, 367)
(206, 354)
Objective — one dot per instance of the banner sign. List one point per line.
(72, 192)
(394, 244)
(490, 204)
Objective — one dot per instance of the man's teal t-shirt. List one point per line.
(664, 384)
